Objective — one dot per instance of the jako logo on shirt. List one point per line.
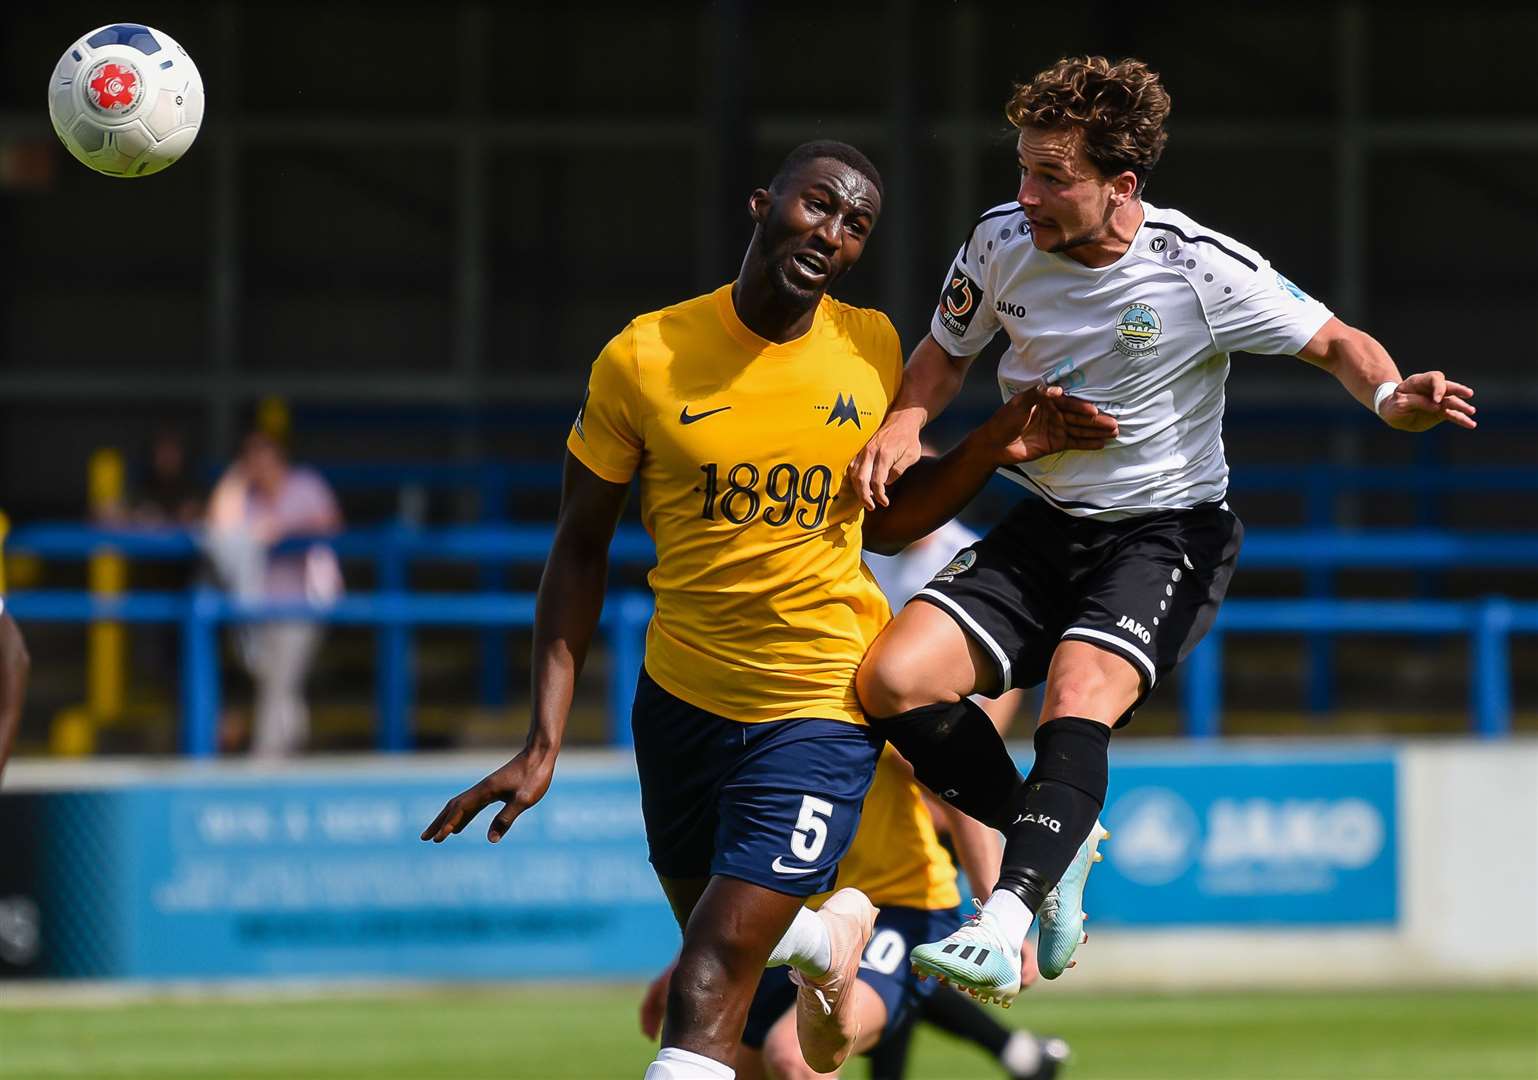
(1135, 628)
(1007, 308)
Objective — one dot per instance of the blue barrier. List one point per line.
(393, 548)
(1489, 623)
(200, 612)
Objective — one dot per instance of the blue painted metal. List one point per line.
(530, 544)
(200, 675)
(394, 657)
(626, 617)
(1201, 687)
(1492, 666)
(1489, 622)
(394, 610)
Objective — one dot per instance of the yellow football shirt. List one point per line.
(764, 608)
(897, 859)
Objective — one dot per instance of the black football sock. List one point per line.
(1054, 810)
(956, 1014)
(957, 753)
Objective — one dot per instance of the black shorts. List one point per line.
(1145, 588)
(775, 804)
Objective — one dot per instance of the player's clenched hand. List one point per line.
(893, 448)
(1423, 401)
(655, 1001)
(1044, 420)
(519, 784)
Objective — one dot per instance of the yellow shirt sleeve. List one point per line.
(606, 436)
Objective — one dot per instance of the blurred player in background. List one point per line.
(1102, 583)
(740, 411)
(14, 666)
(898, 862)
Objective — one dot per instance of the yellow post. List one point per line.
(106, 665)
(5, 530)
(273, 419)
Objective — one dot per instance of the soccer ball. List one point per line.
(126, 100)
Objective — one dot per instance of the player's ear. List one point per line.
(1123, 187)
(758, 205)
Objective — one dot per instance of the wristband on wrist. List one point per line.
(1382, 394)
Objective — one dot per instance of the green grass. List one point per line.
(587, 1034)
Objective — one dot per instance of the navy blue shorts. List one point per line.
(775, 804)
(885, 969)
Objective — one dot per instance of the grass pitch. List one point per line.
(573, 1033)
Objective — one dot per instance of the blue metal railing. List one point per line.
(200, 613)
(1489, 623)
(394, 610)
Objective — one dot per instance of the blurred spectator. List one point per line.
(161, 493)
(167, 493)
(261, 502)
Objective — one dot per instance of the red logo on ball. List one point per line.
(113, 86)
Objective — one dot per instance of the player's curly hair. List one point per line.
(1121, 107)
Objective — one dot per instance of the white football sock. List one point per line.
(1022, 1054)
(675, 1064)
(1012, 917)
(805, 946)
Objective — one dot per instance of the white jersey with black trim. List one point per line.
(1146, 339)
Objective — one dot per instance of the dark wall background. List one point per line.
(451, 207)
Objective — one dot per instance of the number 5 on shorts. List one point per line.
(811, 831)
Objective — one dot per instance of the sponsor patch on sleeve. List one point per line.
(959, 302)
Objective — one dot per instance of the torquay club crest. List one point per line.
(113, 87)
(1137, 328)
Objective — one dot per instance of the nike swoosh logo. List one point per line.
(779, 867)
(685, 418)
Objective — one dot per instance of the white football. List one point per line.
(126, 99)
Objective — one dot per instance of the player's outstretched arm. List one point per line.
(1030, 425)
(1366, 370)
(931, 381)
(570, 600)
(14, 665)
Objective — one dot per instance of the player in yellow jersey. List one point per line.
(740, 411)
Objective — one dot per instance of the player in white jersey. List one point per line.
(1102, 584)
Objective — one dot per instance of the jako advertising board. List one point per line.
(214, 873)
(1240, 840)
